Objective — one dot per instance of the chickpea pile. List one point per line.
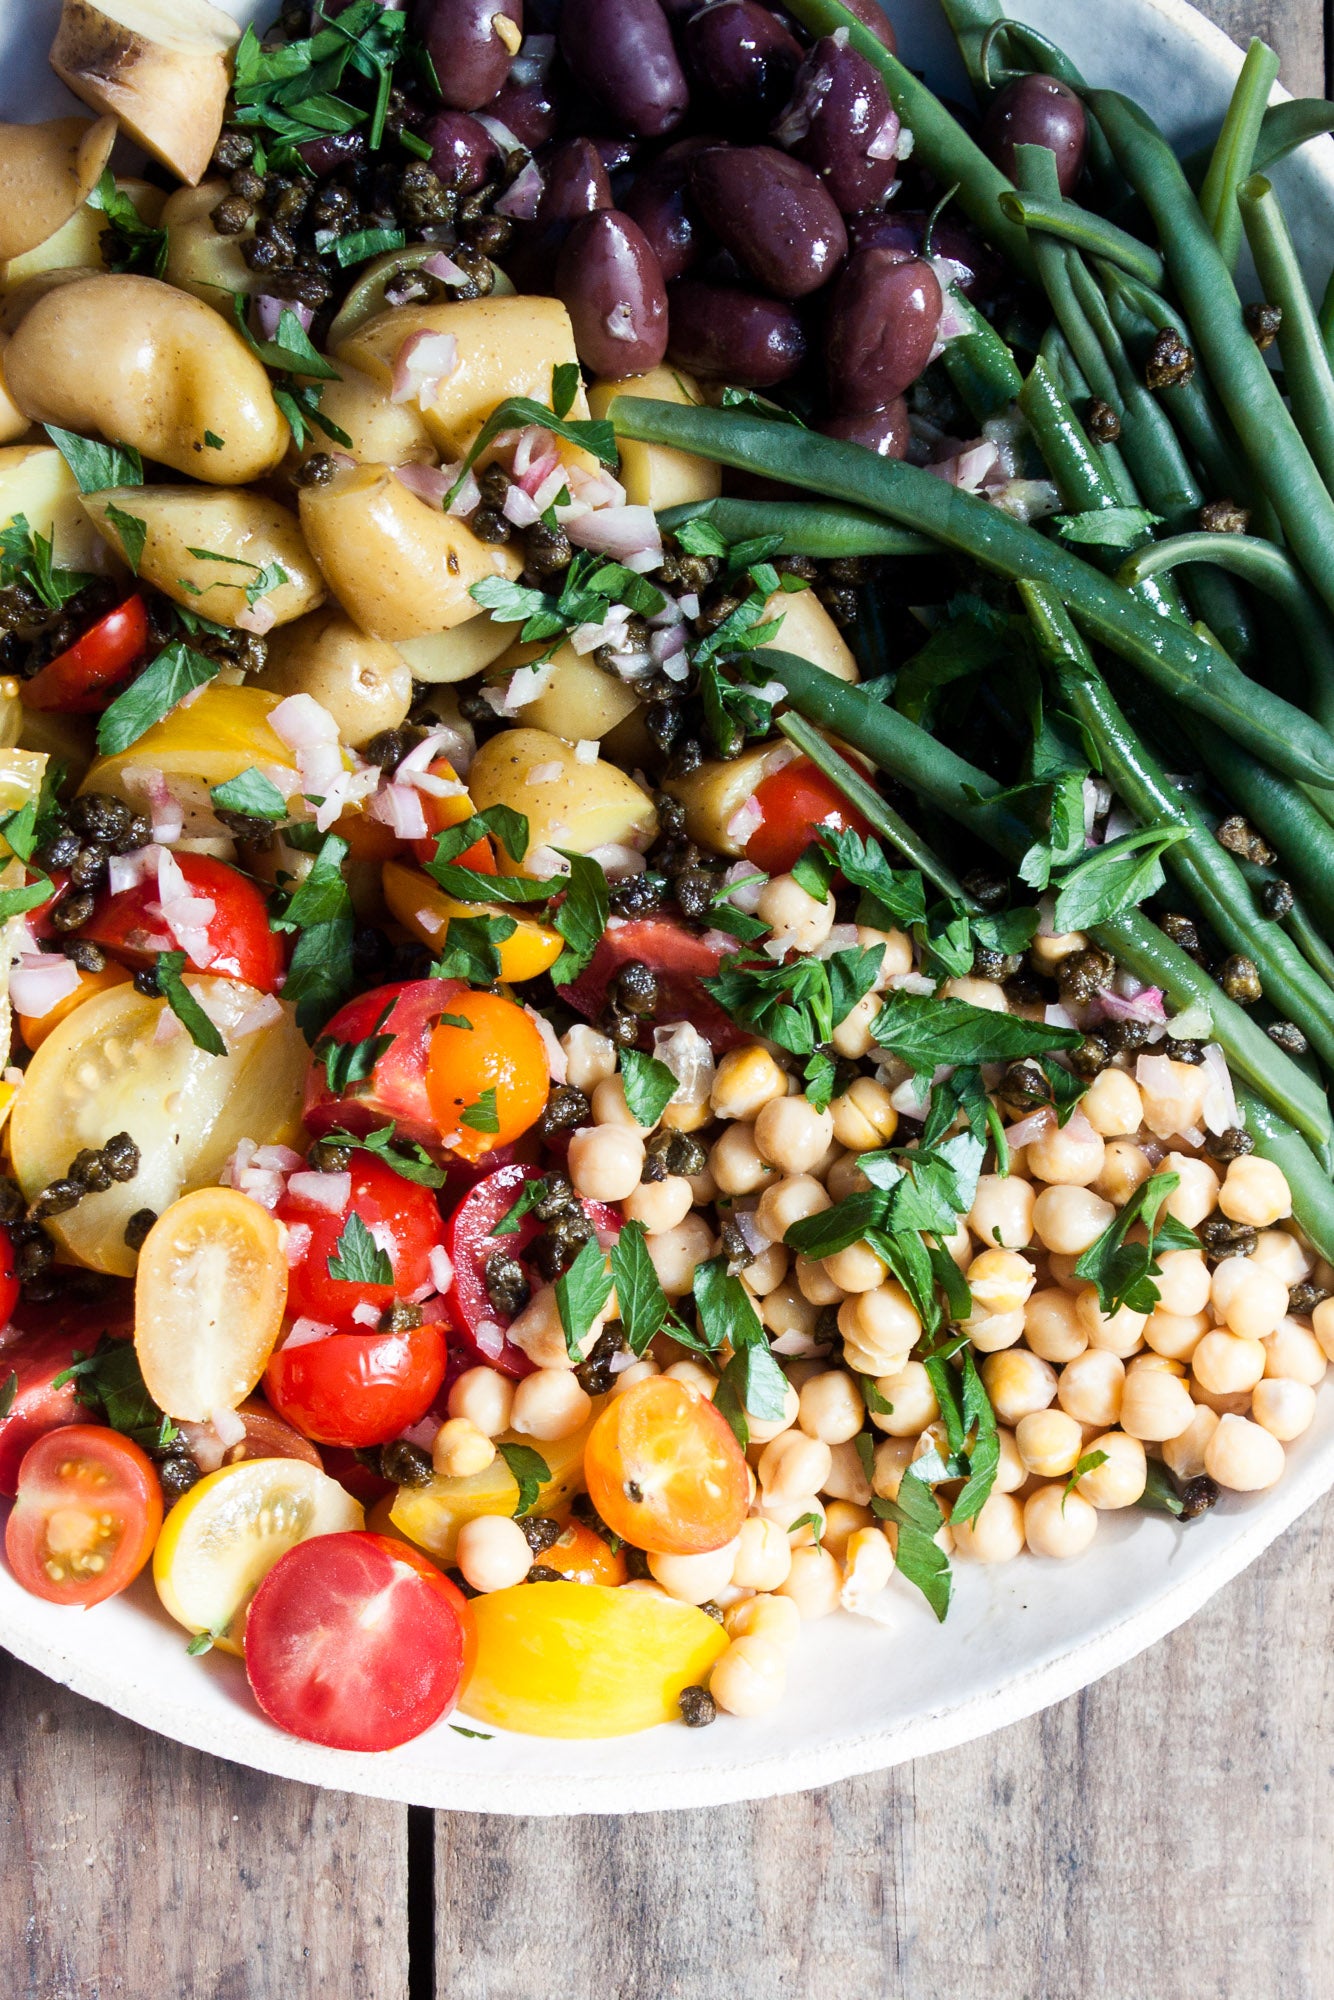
(1213, 1382)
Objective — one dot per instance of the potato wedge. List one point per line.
(161, 66)
(36, 482)
(579, 701)
(567, 804)
(13, 423)
(199, 260)
(47, 171)
(204, 545)
(443, 657)
(654, 475)
(715, 791)
(811, 633)
(381, 432)
(365, 683)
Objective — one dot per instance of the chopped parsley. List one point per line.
(1124, 1272)
(182, 1002)
(357, 1258)
(582, 1293)
(109, 1381)
(530, 1472)
(176, 672)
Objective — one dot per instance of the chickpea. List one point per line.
(1067, 1156)
(701, 1379)
(879, 1329)
(802, 1520)
(1048, 952)
(1121, 1332)
(736, 1163)
(813, 1582)
(1197, 1196)
(856, 1269)
(845, 1177)
(1184, 1455)
(1175, 1335)
(814, 1282)
(1112, 1104)
(1125, 1167)
(990, 1332)
(1227, 1365)
(493, 1552)
(847, 1475)
(1057, 1523)
(868, 1565)
(605, 1161)
(790, 1200)
(1000, 1281)
(996, 1535)
(1011, 1472)
(1255, 1191)
(796, 918)
(842, 1520)
(1243, 1456)
(1049, 1442)
(959, 1247)
(695, 1579)
(765, 1617)
(750, 1678)
(767, 1271)
(485, 1398)
(1091, 1387)
(1279, 1251)
(1070, 1219)
(744, 1082)
(1002, 1211)
(1183, 1282)
(892, 1458)
(550, 1404)
(1250, 1299)
(785, 1310)
(1018, 1383)
(1052, 1326)
(1322, 1325)
(763, 1429)
(831, 1407)
(677, 1253)
(1120, 1480)
(792, 1135)
(912, 1399)
(763, 1555)
(1174, 1101)
(610, 1106)
(638, 1371)
(1154, 1404)
(590, 1058)
(1292, 1351)
(659, 1205)
(895, 952)
(538, 1331)
(864, 1118)
(852, 1037)
(1237, 1405)
(791, 1465)
(460, 1449)
(984, 993)
(1282, 1407)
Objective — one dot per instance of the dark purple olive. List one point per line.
(773, 214)
(1037, 111)
(611, 284)
(574, 183)
(883, 317)
(660, 203)
(874, 17)
(725, 336)
(463, 153)
(886, 432)
(741, 60)
(679, 11)
(904, 230)
(842, 124)
(471, 53)
(617, 155)
(334, 150)
(622, 52)
(528, 104)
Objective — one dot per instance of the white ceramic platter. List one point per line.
(862, 1696)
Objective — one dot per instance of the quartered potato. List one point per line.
(442, 657)
(655, 475)
(204, 545)
(47, 171)
(36, 482)
(567, 804)
(161, 66)
(199, 258)
(580, 701)
(381, 432)
(365, 683)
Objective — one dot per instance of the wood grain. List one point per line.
(1296, 28)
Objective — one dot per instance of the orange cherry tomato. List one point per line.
(452, 811)
(87, 1515)
(487, 1081)
(665, 1471)
(581, 1556)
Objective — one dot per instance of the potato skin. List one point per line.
(579, 702)
(199, 260)
(365, 683)
(47, 171)
(382, 432)
(574, 806)
(168, 96)
(244, 525)
(137, 362)
(656, 475)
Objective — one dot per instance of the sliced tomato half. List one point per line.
(392, 1088)
(87, 1515)
(680, 961)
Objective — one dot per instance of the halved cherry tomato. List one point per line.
(401, 1217)
(435, 1576)
(680, 962)
(208, 1302)
(81, 679)
(795, 801)
(487, 1075)
(87, 1515)
(31, 1362)
(9, 1284)
(34, 1028)
(470, 1239)
(266, 1436)
(665, 1471)
(447, 812)
(358, 1389)
(395, 1089)
(349, 1644)
(354, 1475)
(580, 1555)
(130, 924)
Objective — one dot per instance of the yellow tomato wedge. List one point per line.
(423, 908)
(222, 733)
(208, 1302)
(432, 1515)
(103, 1071)
(584, 1659)
(222, 1538)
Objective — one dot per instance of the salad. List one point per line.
(666, 811)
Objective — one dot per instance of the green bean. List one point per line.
(1326, 317)
(1282, 812)
(980, 366)
(1174, 659)
(874, 809)
(903, 751)
(974, 23)
(1306, 1171)
(1233, 156)
(1086, 231)
(1035, 170)
(1059, 359)
(1308, 377)
(941, 144)
(1237, 368)
(807, 529)
(1284, 127)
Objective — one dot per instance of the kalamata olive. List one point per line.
(574, 183)
(472, 44)
(528, 110)
(841, 123)
(873, 16)
(611, 285)
(1037, 111)
(334, 150)
(726, 336)
(741, 60)
(883, 318)
(463, 153)
(773, 214)
(979, 273)
(885, 432)
(622, 52)
(660, 203)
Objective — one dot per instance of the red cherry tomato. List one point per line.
(354, 1475)
(403, 1221)
(447, 812)
(9, 1284)
(29, 1364)
(358, 1389)
(87, 1515)
(795, 801)
(81, 679)
(470, 1239)
(350, 1644)
(130, 925)
(680, 961)
(395, 1090)
(267, 1436)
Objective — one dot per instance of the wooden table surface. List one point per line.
(1165, 1833)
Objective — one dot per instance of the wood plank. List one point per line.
(1295, 28)
(132, 1867)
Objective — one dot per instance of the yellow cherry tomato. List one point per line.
(423, 908)
(223, 732)
(35, 1028)
(208, 1302)
(584, 1659)
(487, 1076)
(430, 1516)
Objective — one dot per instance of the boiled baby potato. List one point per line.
(36, 482)
(656, 475)
(714, 792)
(47, 171)
(161, 66)
(366, 297)
(379, 431)
(13, 423)
(567, 804)
(810, 633)
(139, 363)
(365, 684)
(199, 260)
(397, 565)
(579, 701)
(440, 657)
(506, 347)
(205, 544)
(17, 301)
